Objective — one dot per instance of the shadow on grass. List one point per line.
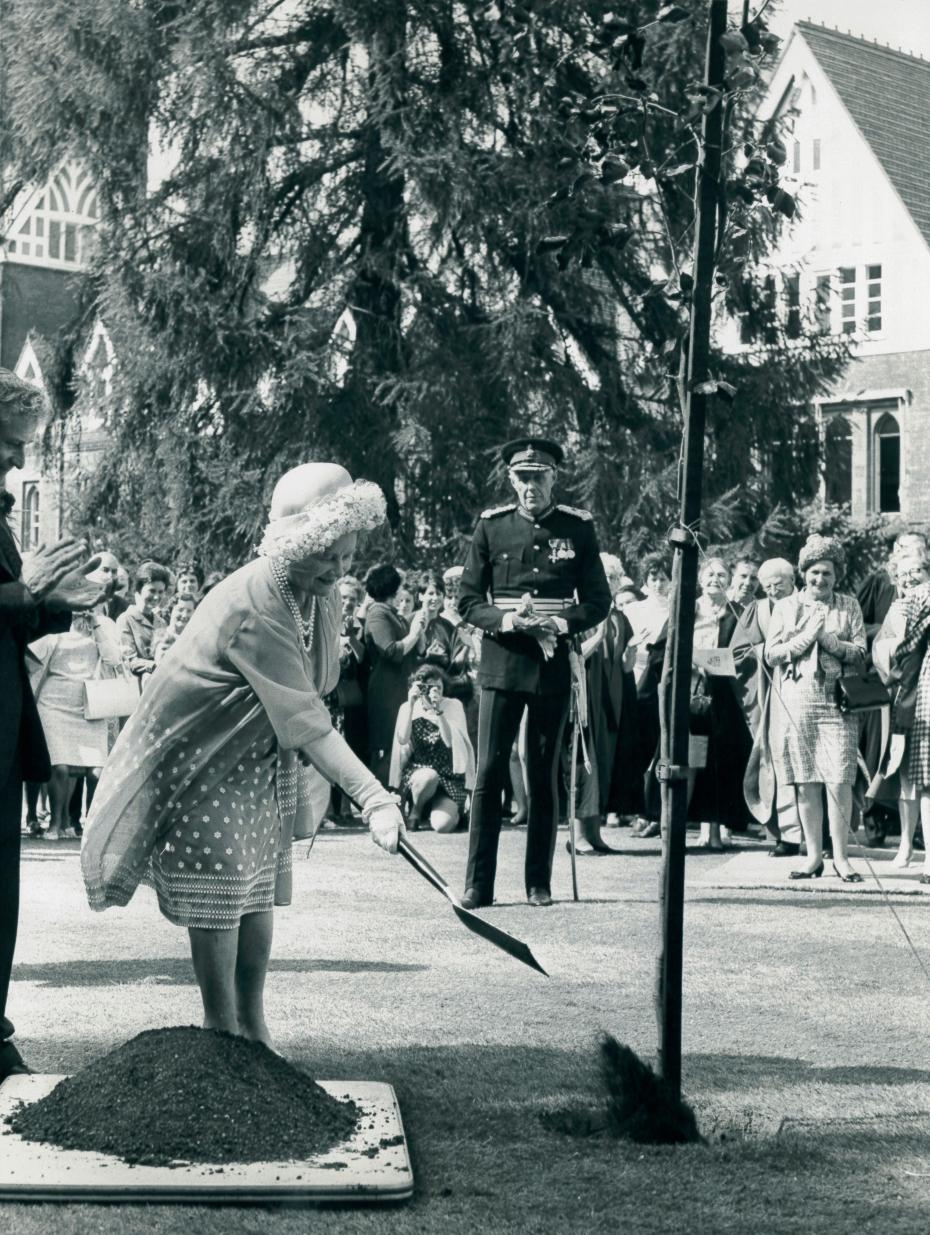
(484, 1159)
(803, 899)
(741, 1072)
(177, 970)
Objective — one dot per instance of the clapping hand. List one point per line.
(77, 591)
(417, 623)
(47, 567)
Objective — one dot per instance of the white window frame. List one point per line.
(66, 202)
(31, 516)
(865, 410)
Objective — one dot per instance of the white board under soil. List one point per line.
(373, 1166)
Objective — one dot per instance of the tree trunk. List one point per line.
(375, 294)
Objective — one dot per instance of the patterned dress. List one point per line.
(428, 750)
(915, 608)
(811, 740)
(202, 792)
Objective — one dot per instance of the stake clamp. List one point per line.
(680, 537)
(667, 772)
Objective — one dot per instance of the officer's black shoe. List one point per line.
(785, 849)
(473, 899)
(539, 898)
(11, 1062)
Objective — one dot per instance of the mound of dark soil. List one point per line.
(196, 1095)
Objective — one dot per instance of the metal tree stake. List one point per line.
(675, 690)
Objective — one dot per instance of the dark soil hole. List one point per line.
(639, 1105)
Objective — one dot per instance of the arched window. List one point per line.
(57, 225)
(888, 464)
(837, 461)
(30, 536)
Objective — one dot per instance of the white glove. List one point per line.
(386, 824)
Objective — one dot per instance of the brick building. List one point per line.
(858, 253)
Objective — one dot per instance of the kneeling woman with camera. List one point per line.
(433, 761)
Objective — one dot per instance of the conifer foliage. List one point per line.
(396, 234)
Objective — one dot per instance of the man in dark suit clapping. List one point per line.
(36, 599)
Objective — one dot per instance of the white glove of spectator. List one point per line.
(386, 824)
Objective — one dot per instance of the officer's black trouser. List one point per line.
(499, 716)
(11, 813)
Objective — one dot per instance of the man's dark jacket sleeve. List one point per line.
(22, 619)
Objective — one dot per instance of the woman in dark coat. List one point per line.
(604, 652)
(716, 715)
(394, 648)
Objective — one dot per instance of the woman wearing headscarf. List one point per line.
(212, 777)
(813, 638)
(900, 654)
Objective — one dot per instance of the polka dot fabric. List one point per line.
(203, 791)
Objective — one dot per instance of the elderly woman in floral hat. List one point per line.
(214, 773)
(814, 637)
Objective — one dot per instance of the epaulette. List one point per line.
(492, 511)
(576, 511)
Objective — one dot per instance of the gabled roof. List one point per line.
(887, 94)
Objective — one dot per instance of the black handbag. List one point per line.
(860, 692)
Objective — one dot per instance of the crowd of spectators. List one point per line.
(774, 740)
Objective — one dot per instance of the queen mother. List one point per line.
(214, 773)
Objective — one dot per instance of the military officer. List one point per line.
(533, 580)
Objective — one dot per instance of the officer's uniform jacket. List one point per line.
(552, 560)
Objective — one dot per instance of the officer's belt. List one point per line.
(546, 605)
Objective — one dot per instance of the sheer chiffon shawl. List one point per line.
(236, 675)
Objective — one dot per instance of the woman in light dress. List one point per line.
(214, 773)
(60, 665)
(813, 638)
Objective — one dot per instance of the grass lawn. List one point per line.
(805, 1034)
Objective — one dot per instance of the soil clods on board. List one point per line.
(190, 1095)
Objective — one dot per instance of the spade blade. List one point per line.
(478, 926)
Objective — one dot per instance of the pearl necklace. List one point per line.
(304, 628)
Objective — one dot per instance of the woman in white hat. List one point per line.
(212, 776)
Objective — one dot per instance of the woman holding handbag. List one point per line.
(813, 638)
(78, 746)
